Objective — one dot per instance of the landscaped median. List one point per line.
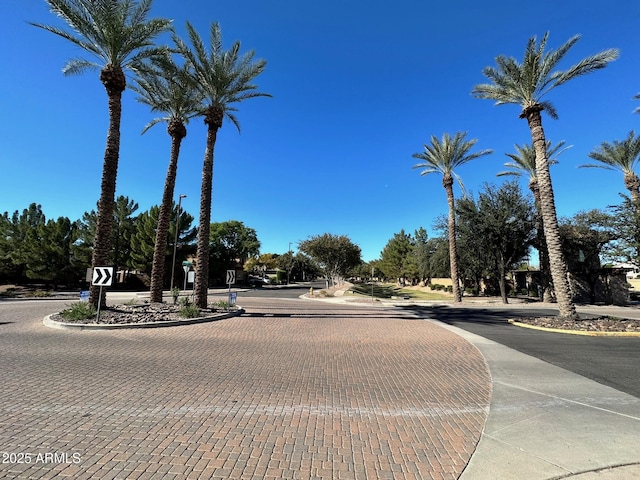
(593, 327)
(153, 315)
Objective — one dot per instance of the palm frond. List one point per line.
(113, 32)
(446, 154)
(527, 83)
(617, 155)
(76, 66)
(223, 77)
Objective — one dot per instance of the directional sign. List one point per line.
(102, 276)
(231, 277)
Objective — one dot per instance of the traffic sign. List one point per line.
(231, 277)
(102, 276)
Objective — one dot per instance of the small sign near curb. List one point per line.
(231, 277)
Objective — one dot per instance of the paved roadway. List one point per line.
(612, 361)
(292, 389)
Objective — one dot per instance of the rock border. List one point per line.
(48, 322)
(574, 332)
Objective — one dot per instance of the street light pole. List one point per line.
(289, 267)
(175, 239)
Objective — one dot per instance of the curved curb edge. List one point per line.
(575, 332)
(48, 322)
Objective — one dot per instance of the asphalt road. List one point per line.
(612, 361)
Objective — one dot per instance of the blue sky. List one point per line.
(358, 87)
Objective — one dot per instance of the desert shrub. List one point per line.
(39, 293)
(175, 293)
(188, 310)
(222, 305)
(79, 311)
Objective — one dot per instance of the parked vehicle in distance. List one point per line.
(258, 282)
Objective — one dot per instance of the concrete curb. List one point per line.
(48, 322)
(575, 332)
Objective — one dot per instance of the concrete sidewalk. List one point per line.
(548, 423)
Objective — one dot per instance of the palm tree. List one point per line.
(444, 156)
(526, 84)
(524, 162)
(119, 36)
(167, 89)
(621, 155)
(223, 78)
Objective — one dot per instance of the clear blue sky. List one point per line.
(358, 87)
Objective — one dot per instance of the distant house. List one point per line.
(633, 271)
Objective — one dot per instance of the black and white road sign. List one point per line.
(231, 277)
(102, 276)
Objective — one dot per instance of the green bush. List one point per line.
(39, 293)
(471, 291)
(188, 310)
(222, 305)
(449, 288)
(78, 311)
(175, 293)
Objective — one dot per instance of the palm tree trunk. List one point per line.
(545, 275)
(114, 83)
(501, 278)
(557, 263)
(213, 119)
(447, 182)
(632, 183)
(177, 131)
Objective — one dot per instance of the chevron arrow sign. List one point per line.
(102, 276)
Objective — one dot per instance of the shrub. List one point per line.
(222, 305)
(39, 293)
(449, 288)
(188, 310)
(175, 293)
(78, 311)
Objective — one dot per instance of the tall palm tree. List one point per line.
(223, 78)
(444, 156)
(622, 155)
(526, 84)
(524, 163)
(167, 89)
(119, 37)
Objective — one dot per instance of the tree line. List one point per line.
(495, 232)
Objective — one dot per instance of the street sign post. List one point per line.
(231, 278)
(102, 277)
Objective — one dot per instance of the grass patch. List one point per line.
(389, 290)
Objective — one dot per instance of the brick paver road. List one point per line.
(293, 389)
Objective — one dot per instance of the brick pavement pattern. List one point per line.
(298, 390)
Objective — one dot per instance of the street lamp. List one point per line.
(175, 239)
(290, 264)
